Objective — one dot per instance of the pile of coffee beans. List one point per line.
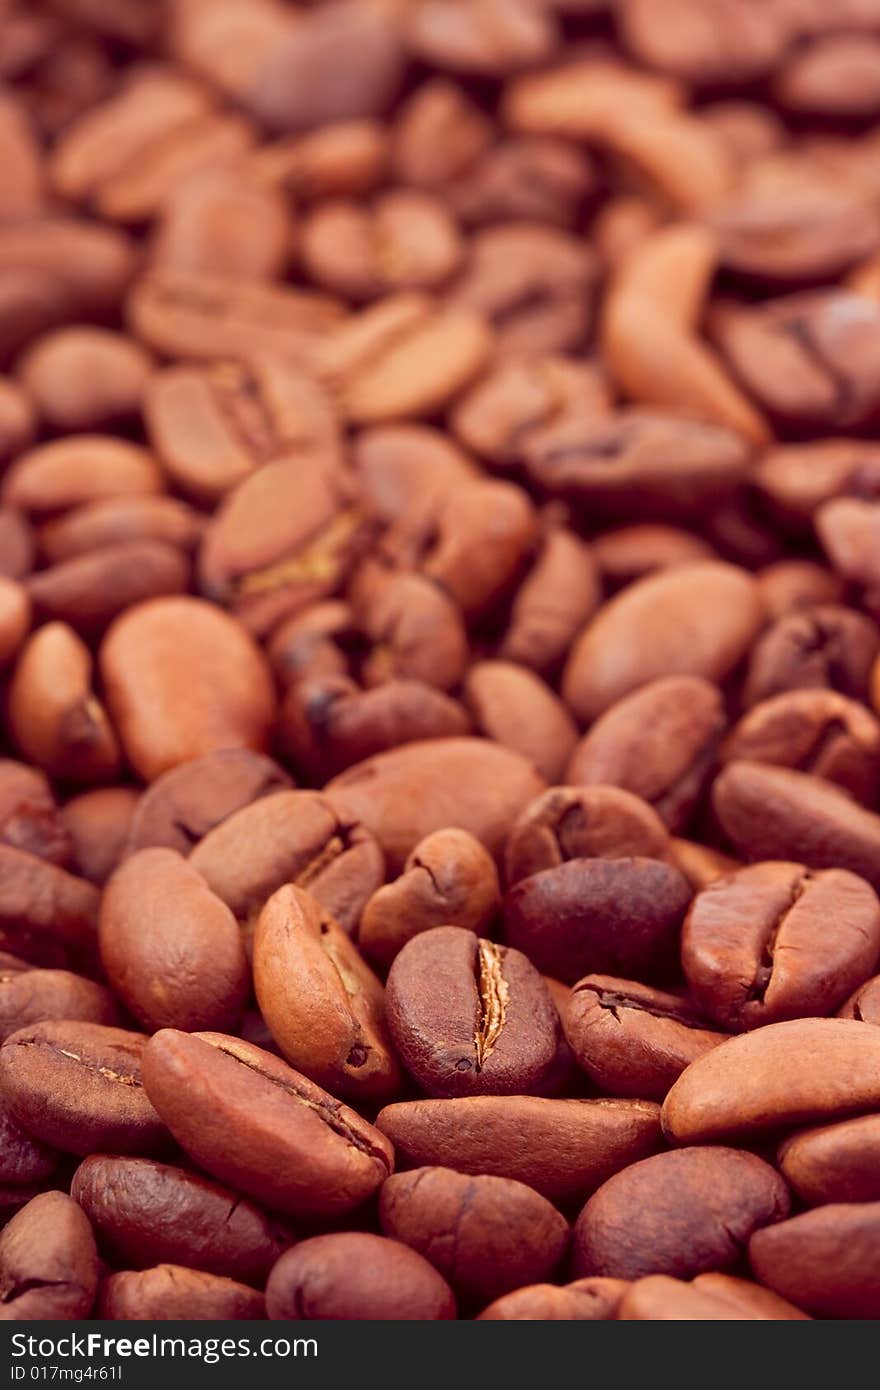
(440, 659)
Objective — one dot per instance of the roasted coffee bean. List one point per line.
(631, 1039)
(660, 1298)
(469, 1017)
(15, 619)
(696, 620)
(515, 708)
(252, 1121)
(48, 1262)
(603, 915)
(659, 742)
(29, 817)
(448, 879)
(85, 378)
(631, 552)
(45, 912)
(825, 648)
(825, 1260)
(677, 1213)
(89, 590)
(789, 815)
(357, 1276)
(586, 1300)
(78, 1087)
(558, 595)
(322, 1003)
(791, 585)
(84, 468)
(98, 823)
(404, 795)
(115, 519)
(16, 544)
(775, 1078)
(756, 946)
(485, 1235)
(864, 1004)
(834, 1163)
(24, 1161)
(562, 1148)
(602, 822)
(700, 864)
(171, 948)
(145, 1213)
(186, 802)
(32, 996)
(815, 731)
(215, 693)
(291, 837)
(171, 1292)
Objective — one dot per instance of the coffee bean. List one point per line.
(29, 816)
(48, 1262)
(78, 1087)
(251, 1121)
(85, 378)
(755, 945)
(23, 1161)
(834, 1163)
(29, 997)
(563, 1148)
(631, 1039)
(827, 647)
(516, 709)
(171, 948)
(678, 1213)
(600, 915)
(321, 1002)
(586, 1300)
(170, 1292)
(602, 822)
(99, 823)
(47, 915)
(826, 1260)
(864, 1004)
(357, 1276)
(485, 1235)
(469, 1017)
(146, 1213)
(660, 1298)
(788, 1074)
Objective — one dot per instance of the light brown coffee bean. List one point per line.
(775, 1078)
(834, 1163)
(78, 469)
(85, 378)
(219, 221)
(563, 1148)
(171, 948)
(323, 1005)
(826, 1260)
(829, 647)
(516, 709)
(585, 1300)
(252, 1121)
(696, 620)
(169, 708)
(558, 595)
(98, 823)
(48, 1262)
(171, 1292)
(355, 1275)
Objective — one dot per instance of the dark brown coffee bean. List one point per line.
(678, 1213)
(562, 1148)
(171, 948)
(803, 1071)
(485, 1235)
(252, 1121)
(586, 1300)
(171, 1292)
(404, 795)
(16, 544)
(99, 823)
(90, 590)
(186, 802)
(756, 947)
(525, 179)
(834, 1163)
(660, 742)
(582, 823)
(789, 815)
(216, 693)
(145, 1212)
(29, 816)
(824, 230)
(29, 997)
(469, 1017)
(78, 1086)
(633, 1040)
(355, 1276)
(825, 648)
(827, 1260)
(449, 879)
(619, 916)
(638, 464)
(696, 620)
(417, 629)
(48, 1262)
(291, 837)
(24, 1161)
(322, 1003)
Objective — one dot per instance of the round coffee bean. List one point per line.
(469, 1017)
(356, 1276)
(48, 1262)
